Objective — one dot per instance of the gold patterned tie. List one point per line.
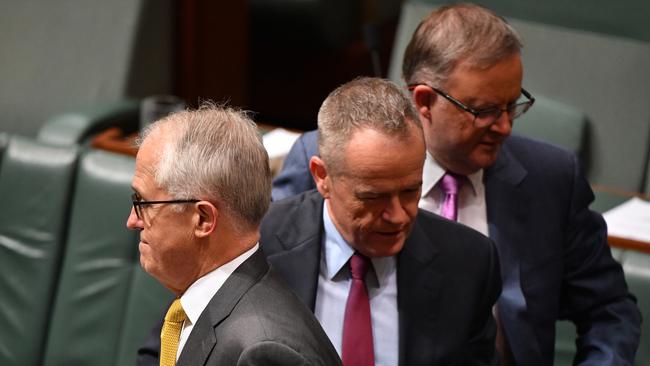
(171, 333)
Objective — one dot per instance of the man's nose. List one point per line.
(133, 222)
(503, 124)
(395, 212)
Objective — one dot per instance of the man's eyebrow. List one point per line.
(414, 185)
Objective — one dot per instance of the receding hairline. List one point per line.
(485, 39)
(337, 164)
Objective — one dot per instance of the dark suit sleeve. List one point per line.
(594, 294)
(481, 350)
(149, 351)
(295, 178)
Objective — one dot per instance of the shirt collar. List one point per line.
(338, 252)
(198, 295)
(433, 172)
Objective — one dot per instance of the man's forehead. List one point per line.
(378, 180)
(146, 162)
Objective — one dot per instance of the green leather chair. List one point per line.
(96, 292)
(35, 185)
(93, 284)
(146, 305)
(557, 123)
(76, 127)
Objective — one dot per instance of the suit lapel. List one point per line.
(507, 214)
(299, 262)
(203, 339)
(418, 290)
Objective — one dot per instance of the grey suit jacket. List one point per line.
(254, 319)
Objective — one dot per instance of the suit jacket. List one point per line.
(295, 178)
(254, 319)
(555, 260)
(447, 280)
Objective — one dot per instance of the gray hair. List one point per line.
(216, 154)
(453, 33)
(362, 103)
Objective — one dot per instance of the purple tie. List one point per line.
(358, 348)
(450, 185)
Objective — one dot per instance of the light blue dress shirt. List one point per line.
(334, 286)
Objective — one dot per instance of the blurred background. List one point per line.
(280, 58)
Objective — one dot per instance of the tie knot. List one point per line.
(359, 264)
(451, 183)
(175, 314)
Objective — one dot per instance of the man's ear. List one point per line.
(423, 99)
(318, 170)
(208, 217)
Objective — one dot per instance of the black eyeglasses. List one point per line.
(488, 116)
(138, 203)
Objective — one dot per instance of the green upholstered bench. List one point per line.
(73, 292)
(36, 181)
(75, 127)
(105, 305)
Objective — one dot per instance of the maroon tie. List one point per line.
(357, 328)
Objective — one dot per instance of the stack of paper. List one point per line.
(630, 220)
(278, 142)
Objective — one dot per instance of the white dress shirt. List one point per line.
(472, 209)
(198, 295)
(333, 288)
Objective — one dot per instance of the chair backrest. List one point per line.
(609, 79)
(557, 123)
(96, 286)
(35, 185)
(93, 285)
(75, 127)
(147, 302)
(604, 75)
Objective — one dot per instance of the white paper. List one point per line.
(278, 142)
(630, 220)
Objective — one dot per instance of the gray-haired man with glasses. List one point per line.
(464, 71)
(202, 185)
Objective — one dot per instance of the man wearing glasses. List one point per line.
(464, 71)
(202, 185)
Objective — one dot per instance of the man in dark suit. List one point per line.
(201, 188)
(434, 281)
(463, 67)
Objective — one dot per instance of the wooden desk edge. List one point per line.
(113, 139)
(625, 243)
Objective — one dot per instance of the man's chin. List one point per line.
(386, 245)
(486, 156)
(144, 255)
